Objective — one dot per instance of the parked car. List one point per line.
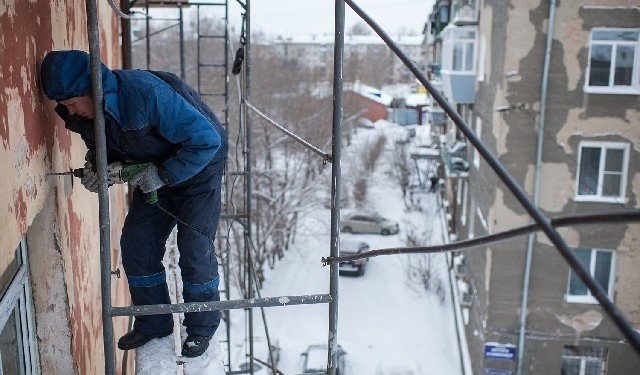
(355, 267)
(314, 360)
(368, 223)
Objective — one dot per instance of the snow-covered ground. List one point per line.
(384, 322)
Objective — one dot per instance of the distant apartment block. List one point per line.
(361, 53)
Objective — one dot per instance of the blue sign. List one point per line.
(497, 371)
(494, 350)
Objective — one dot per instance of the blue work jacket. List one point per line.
(150, 117)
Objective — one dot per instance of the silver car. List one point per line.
(368, 223)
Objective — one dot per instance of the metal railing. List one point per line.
(541, 221)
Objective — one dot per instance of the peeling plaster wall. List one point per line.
(64, 238)
(516, 38)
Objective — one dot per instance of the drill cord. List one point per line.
(185, 223)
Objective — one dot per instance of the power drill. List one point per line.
(117, 173)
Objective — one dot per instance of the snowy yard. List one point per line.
(384, 322)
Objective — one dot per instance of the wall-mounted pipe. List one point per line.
(536, 186)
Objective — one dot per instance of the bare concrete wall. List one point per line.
(34, 142)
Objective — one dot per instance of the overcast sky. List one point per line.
(305, 17)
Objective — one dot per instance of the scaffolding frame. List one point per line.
(108, 311)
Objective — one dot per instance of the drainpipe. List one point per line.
(536, 185)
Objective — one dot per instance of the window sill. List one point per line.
(612, 90)
(590, 300)
(596, 199)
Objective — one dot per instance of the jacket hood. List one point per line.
(66, 74)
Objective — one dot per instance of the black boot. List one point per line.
(133, 339)
(195, 345)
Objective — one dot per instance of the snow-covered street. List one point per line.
(384, 322)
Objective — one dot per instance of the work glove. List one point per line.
(148, 179)
(90, 177)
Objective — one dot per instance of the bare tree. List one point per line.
(402, 171)
(359, 28)
(421, 269)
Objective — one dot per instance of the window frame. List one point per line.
(449, 41)
(18, 295)
(589, 298)
(624, 146)
(634, 88)
(583, 361)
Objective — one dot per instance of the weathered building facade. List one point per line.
(590, 149)
(51, 319)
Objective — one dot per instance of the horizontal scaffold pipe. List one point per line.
(220, 305)
(325, 157)
(518, 191)
(565, 221)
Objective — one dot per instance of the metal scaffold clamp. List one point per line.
(239, 58)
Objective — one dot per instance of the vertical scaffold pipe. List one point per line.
(183, 75)
(249, 182)
(336, 150)
(103, 193)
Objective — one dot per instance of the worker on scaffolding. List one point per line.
(153, 118)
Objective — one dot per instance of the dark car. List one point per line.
(355, 267)
(315, 360)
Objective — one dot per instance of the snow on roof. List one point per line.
(416, 99)
(369, 92)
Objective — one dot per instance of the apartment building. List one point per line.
(50, 297)
(493, 55)
(361, 54)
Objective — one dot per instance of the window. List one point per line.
(614, 64)
(476, 154)
(17, 330)
(600, 265)
(602, 172)
(459, 50)
(582, 360)
(444, 15)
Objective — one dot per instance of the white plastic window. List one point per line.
(614, 61)
(584, 360)
(600, 264)
(459, 50)
(18, 352)
(602, 172)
